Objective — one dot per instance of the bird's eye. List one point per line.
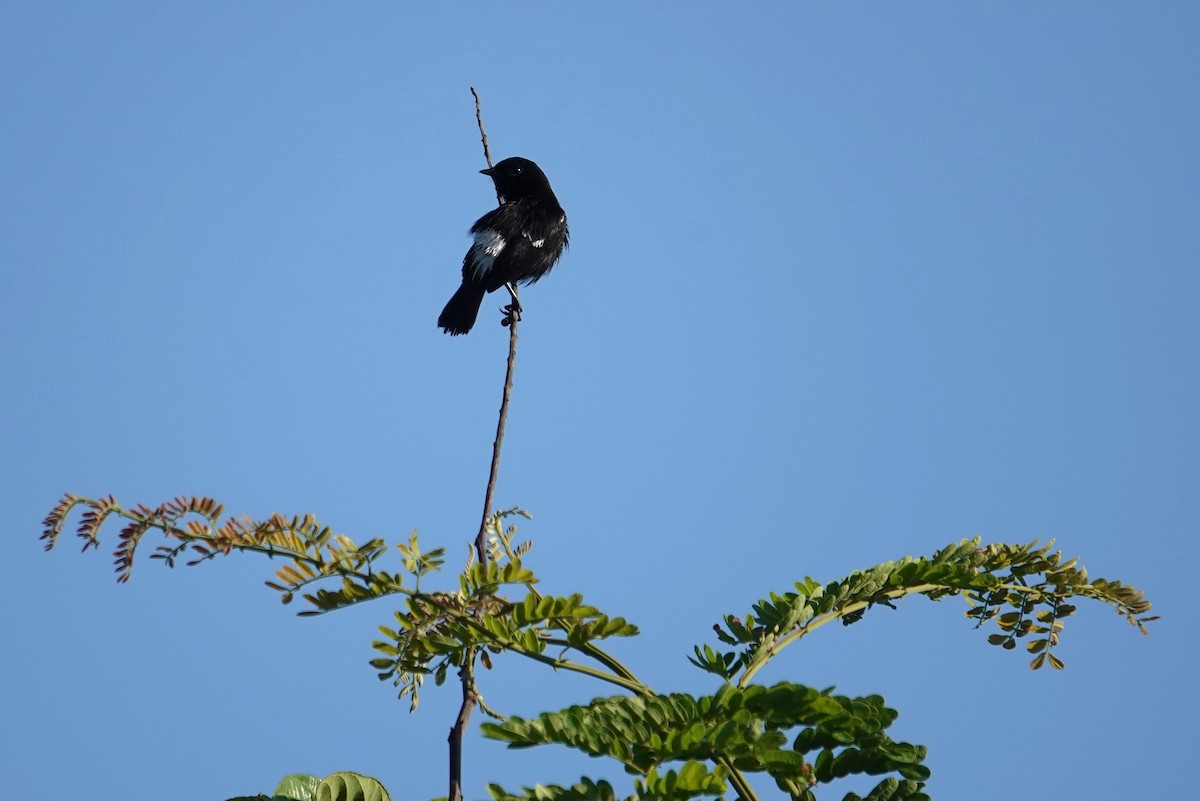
(516, 170)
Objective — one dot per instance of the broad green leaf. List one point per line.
(298, 787)
(347, 786)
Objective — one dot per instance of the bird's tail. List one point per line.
(460, 313)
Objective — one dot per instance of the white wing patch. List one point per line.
(537, 243)
(487, 247)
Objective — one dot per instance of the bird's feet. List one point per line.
(512, 312)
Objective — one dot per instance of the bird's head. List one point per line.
(517, 178)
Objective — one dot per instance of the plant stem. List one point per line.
(466, 675)
(481, 538)
(738, 780)
(460, 724)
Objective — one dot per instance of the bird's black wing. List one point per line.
(493, 232)
(519, 241)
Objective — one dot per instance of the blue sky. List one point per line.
(847, 282)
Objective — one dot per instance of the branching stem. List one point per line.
(738, 780)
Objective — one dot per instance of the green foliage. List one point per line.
(678, 746)
(341, 786)
(1027, 579)
(692, 779)
(345, 786)
(435, 632)
(744, 730)
(297, 787)
(585, 790)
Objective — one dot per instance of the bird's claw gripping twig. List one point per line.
(512, 312)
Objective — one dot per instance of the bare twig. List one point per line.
(470, 698)
(481, 538)
(487, 154)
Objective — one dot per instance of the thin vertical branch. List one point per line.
(481, 538)
(466, 674)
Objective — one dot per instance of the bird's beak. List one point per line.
(488, 171)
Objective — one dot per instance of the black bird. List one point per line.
(516, 243)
